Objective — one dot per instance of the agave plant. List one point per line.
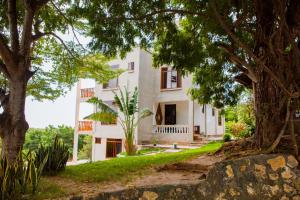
(129, 115)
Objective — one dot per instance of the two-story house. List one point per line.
(176, 118)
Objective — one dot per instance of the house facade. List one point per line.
(176, 118)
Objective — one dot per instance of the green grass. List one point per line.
(48, 190)
(146, 151)
(118, 168)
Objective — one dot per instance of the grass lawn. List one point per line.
(117, 168)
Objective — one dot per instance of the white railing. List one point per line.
(165, 129)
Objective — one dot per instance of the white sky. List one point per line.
(62, 110)
(58, 112)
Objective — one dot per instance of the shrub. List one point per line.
(57, 159)
(16, 179)
(248, 132)
(227, 137)
(235, 128)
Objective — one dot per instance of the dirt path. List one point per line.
(191, 171)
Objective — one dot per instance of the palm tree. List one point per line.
(129, 115)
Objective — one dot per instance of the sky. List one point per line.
(62, 110)
(58, 112)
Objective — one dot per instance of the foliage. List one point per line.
(86, 151)
(18, 178)
(227, 137)
(58, 155)
(240, 119)
(128, 106)
(119, 168)
(36, 137)
(235, 128)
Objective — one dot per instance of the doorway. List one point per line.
(113, 147)
(170, 114)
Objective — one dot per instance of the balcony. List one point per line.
(87, 92)
(85, 126)
(171, 129)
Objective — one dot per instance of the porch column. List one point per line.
(191, 119)
(75, 141)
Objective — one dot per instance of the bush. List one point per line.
(248, 132)
(17, 179)
(86, 150)
(235, 128)
(57, 159)
(227, 137)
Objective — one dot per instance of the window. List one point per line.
(98, 140)
(131, 66)
(213, 112)
(113, 83)
(219, 118)
(170, 79)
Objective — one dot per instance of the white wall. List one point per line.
(147, 95)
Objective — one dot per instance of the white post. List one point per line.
(75, 142)
(191, 119)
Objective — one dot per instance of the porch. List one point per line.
(173, 122)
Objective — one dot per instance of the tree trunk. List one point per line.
(270, 109)
(13, 123)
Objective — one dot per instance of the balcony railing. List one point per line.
(169, 129)
(85, 126)
(87, 92)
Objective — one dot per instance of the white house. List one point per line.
(176, 117)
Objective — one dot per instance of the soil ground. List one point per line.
(191, 171)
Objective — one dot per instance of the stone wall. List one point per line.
(255, 177)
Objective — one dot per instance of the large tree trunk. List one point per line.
(272, 96)
(13, 123)
(270, 109)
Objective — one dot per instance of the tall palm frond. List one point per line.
(104, 112)
(133, 103)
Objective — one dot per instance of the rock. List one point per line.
(220, 196)
(274, 189)
(296, 197)
(148, 195)
(273, 176)
(292, 162)
(260, 171)
(229, 171)
(287, 188)
(277, 162)
(297, 183)
(287, 173)
(250, 190)
(284, 198)
(234, 192)
(243, 168)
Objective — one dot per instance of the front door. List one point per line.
(113, 147)
(170, 114)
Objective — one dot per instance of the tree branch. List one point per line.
(250, 53)
(27, 33)
(70, 23)
(5, 52)
(40, 34)
(238, 61)
(4, 70)
(13, 25)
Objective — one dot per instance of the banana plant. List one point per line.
(128, 116)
